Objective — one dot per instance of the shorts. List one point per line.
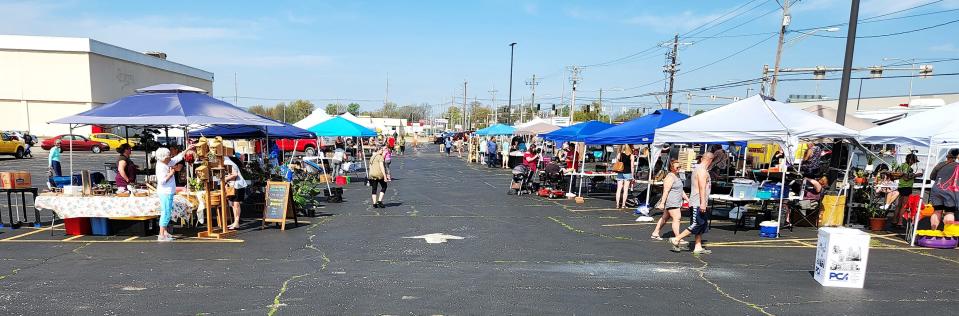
(905, 191)
(698, 222)
(943, 200)
(238, 196)
(624, 176)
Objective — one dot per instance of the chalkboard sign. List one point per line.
(277, 208)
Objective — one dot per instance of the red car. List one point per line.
(78, 143)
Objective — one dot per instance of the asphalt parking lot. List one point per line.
(503, 254)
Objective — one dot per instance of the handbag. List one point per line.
(230, 190)
(617, 166)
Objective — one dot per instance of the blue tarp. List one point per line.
(577, 132)
(339, 126)
(637, 131)
(496, 129)
(166, 109)
(248, 132)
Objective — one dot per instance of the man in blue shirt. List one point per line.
(491, 160)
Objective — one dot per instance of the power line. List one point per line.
(891, 34)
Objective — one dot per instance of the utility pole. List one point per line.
(465, 114)
(492, 101)
(532, 85)
(671, 69)
(847, 63)
(779, 48)
(572, 103)
(509, 102)
(236, 93)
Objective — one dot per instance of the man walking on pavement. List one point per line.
(699, 200)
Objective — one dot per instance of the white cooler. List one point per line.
(841, 255)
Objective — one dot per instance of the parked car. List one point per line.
(307, 146)
(76, 143)
(11, 145)
(113, 140)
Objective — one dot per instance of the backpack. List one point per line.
(376, 173)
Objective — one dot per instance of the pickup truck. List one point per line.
(307, 146)
(11, 145)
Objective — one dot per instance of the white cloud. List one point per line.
(531, 8)
(299, 19)
(945, 48)
(684, 21)
(296, 60)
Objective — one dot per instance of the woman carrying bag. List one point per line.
(624, 174)
(379, 176)
(671, 201)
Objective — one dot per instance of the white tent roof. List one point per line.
(318, 116)
(352, 118)
(752, 119)
(534, 121)
(921, 129)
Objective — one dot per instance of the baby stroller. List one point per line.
(521, 180)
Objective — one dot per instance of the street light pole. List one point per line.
(509, 102)
(847, 63)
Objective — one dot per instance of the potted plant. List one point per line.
(869, 160)
(860, 177)
(877, 217)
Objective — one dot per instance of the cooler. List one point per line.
(99, 226)
(841, 256)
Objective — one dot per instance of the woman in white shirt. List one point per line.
(235, 179)
(166, 187)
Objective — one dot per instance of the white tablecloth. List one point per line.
(109, 206)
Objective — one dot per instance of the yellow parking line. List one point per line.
(131, 238)
(29, 233)
(597, 209)
(72, 238)
(630, 224)
(210, 241)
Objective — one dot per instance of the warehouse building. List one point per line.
(45, 78)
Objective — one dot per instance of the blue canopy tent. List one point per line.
(339, 126)
(496, 130)
(577, 133)
(636, 131)
(165, 105)
(244, 131)
(640, 130)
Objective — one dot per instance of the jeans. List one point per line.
(491, 160)
(55, 165)
(166, 209)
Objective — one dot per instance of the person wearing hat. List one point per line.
(126, 169)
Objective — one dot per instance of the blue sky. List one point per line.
(345, 49)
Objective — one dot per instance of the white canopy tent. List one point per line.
(755, 119)
(935, 129)
(318, 116)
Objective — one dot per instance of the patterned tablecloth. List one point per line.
(109, 206)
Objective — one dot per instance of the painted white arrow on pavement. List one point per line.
(436, 238)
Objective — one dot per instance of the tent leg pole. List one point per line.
(649, 179)
(922, 193)
(71, 155)
(582, 170)
(845, 181)
(782, 192)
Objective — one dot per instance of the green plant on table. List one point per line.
(305, 191)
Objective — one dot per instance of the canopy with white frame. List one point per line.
(935, 129)
(757, 119)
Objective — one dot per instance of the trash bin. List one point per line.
(841, 256)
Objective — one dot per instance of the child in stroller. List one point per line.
(521, 182)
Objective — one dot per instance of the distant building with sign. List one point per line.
(45, 78)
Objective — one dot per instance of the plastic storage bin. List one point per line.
(744, 189)
(77, 226)
(99, 226)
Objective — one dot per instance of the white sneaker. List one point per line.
(164, 238)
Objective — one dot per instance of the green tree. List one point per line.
(295, 111)
(333, 109)
(629, 114)
(353, 108)
(589, 112)
(454, 114)
(698, 112)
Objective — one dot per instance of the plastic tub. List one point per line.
(745, 191)
(77, 226)
(937, 242)
(99, 226)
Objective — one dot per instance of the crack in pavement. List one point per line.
(42, 262)
(702, 275)
(580, 231)
(310, 245)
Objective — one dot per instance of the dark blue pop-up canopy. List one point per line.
(250, 132)
(637, 131)
(577, 132)
(339, 126)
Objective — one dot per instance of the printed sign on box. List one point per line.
(841, 255)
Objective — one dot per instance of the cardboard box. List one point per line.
(15, 180)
